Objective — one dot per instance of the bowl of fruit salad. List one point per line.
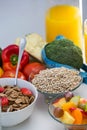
(17, 102)
(69, 110)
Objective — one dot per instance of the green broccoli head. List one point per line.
(65, 52)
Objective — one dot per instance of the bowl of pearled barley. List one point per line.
(17, 102)
(56, 81)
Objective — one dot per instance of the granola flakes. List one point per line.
(17, 100)
(57, 80)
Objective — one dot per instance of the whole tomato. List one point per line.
(33, 68)
(11, 74)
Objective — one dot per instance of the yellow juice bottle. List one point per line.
(64, 20)
(85, 39)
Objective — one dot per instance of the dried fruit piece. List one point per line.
(5, 101)
(26, 91)
(1, 89)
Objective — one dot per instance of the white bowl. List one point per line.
(13, 118)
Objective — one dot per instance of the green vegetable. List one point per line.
(65, 52)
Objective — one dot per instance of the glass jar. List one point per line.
(64, 17)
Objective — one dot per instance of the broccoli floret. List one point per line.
(65, 52)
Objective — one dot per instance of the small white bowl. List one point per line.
(13, 118)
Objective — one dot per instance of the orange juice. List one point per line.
(64, 20)
(85, 39)
(85, 46)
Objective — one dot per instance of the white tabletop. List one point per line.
(40, 118)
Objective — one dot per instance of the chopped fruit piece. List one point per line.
(84, 113)
(77, 114)
(83, 101)
(4, 101)
(56, 100)
(67, 118)
(85, 107)
(1, 89)
(68, 95)
(71, 111)
(58, 112)
(26, 91)
(84, 121)
(83, 104)
(68, 105)
(60, 102)
(75, 100)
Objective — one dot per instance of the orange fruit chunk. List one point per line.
(78, 116)
(68, 105)
(84, 121)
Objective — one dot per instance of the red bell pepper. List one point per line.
(10, 57)
(11, 74)
(9, 66)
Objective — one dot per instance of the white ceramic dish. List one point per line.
(13, 118)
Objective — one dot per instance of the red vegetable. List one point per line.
(33, 68)
(11, 74)
(9, 66)
(10, 54)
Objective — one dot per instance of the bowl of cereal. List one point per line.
(70, 110)
(17, 102)
(56, 81)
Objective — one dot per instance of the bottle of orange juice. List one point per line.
(85, 39)
(64, 17)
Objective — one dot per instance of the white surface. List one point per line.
(40, 119)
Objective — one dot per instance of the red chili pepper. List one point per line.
(10, 54)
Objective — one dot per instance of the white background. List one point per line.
(20, 17)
